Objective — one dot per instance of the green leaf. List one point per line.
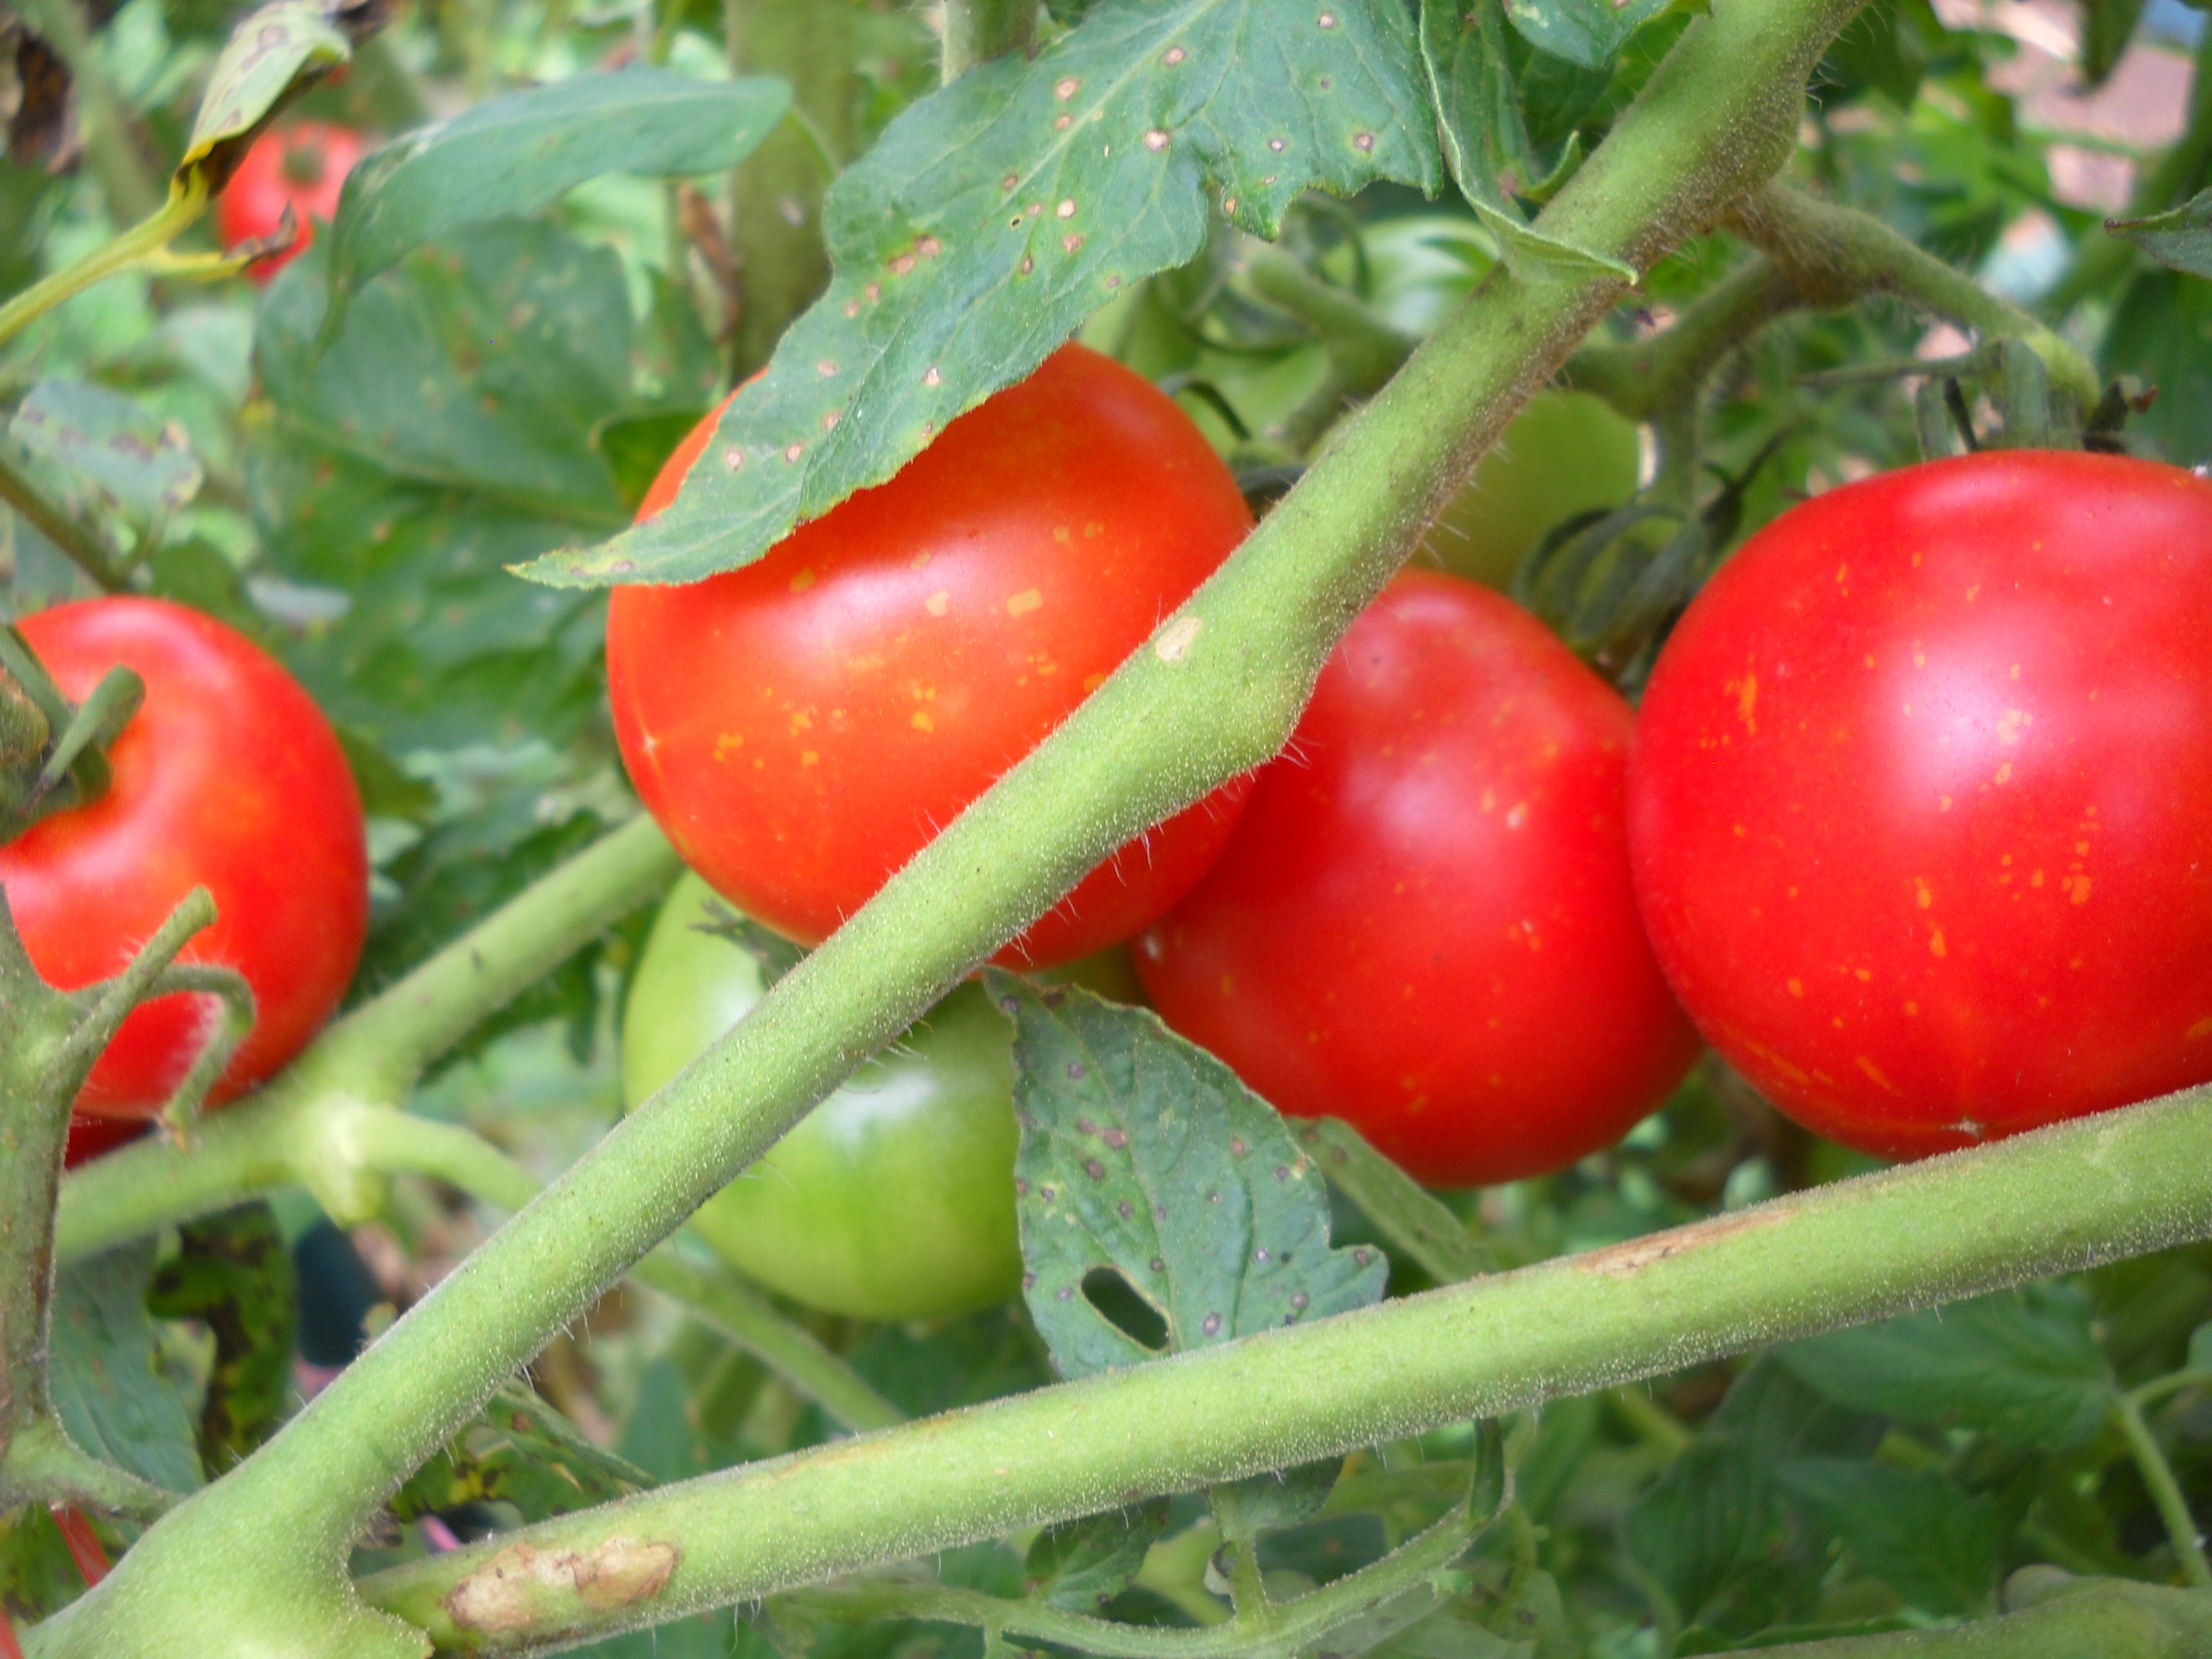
(2020, 1365)
(637, 446)
(521, 1451)
(1464, 52)
(273, 54)
(1083, 1564)
(1932, 1543)
(2180, 238)
(107, 1389)
(107, 452)
(999, 213)
(1148, 1171)
(2161, 331)
(1585, 31)
(233, 1273)
(511, 155)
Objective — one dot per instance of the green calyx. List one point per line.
(53, 752)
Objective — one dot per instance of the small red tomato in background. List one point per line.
(227, 778)
(93, 1137)
(802, 727)
(1424, 923)
(1922, 801)
(304, 165)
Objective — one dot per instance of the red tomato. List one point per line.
(95, 1137)
(802, 727)
(305, 165)
(1921, 803)
(228, 778)
(1424, 924)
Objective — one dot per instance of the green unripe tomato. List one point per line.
(1566, 453)
(894, 1198)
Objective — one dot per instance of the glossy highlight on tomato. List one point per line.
(802, 727)
(1424, 923)
(228, 777)
(303, 165)
(893, 1198)
(1922, 801)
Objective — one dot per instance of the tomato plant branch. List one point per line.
(393, 1142)
(188, 200)
(2094, 1619)
(2165, 1494)
(2062, 1198)
(44, 1464)
(1289, 1627)
(82, 545)
(1215, 692)
(1836, 254)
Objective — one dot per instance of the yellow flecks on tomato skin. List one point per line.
(2081, 890)
(1062, 534)
(2035, 878)
(726, 742)
(1025, 602)
(1936, 945)
(1874, 1074)
(802, 581)
(1796, 988)
(2201, 1028)
(918, 561)
(1092, 681)
(921, 721)
(1923, 894)
(2003, 773)
(938, 603)
(1228, 985)
(808, 757)
(1745, 693)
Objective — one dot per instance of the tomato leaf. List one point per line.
(2020, 1365)
(512, 155)
(521, 1451)
(1585, 31)
(273, 55)
(1470, 73)
(107, 453)
(1149, 1175)
(1932, 1543)
(999, 212)
(105, 1375)
(1083, 1564)
(1415, 1223)
(2180, 238)
(233, 1273)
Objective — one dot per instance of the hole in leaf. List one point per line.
(1120, 1305)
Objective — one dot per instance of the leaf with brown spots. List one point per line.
(998, 214)
(1157, 1195)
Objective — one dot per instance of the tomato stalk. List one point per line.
(2060, 1198)
(142, 243)
(2166, 1494)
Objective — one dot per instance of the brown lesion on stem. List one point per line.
(523, 1588)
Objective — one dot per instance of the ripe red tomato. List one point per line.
(1922, 802)
(306, 164)
(1424, 923)
(228, 778)
(802, 727)
(95, 1137)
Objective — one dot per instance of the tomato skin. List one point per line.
(96, 1137)
(1921, 807)
(304, 164)
(1565, 452)
(227, 777)
(1424, 923)
(894, 1198)
(802, 727)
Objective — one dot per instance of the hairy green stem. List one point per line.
(2165, 1494)
(133, 247)
(976, 31)
(1834, 254)
(2060, 1199)
(1214, 693)
(79, 543)
(394, 1141)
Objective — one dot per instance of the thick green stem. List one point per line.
(80, 545)
(2165, 1494)
(393, 1141)
(1834, 254)
(976, 31)
(1214, 693)
(2060, 1199)
(2103, 1618)
(148, 237)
